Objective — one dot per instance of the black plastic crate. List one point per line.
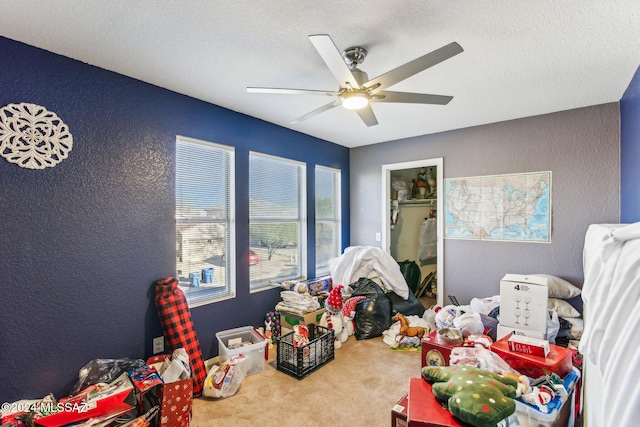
(301, 361)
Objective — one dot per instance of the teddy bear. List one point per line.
(478, 397)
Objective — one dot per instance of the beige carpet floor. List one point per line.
(358, 388)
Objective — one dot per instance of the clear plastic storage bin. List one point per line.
(244, 340)
(529, 416)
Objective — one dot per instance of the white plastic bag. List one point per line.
(448, 313)
(176, 368)
(428, 239)
(485, 305)
(553, 326)
(224, 380)
(429, 316)
(402, 188)
(469, 324)
(481, 358)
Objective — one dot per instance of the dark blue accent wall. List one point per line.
(630, 152)
(82, 243)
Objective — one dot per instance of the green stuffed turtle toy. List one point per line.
(475, 396)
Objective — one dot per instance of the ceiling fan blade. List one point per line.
(413, 67)
(317, 111)
(290, 91)
(333, 58)
(411, 98)
(367, 116)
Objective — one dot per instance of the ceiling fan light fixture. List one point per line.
(354, 100)
(356, 90)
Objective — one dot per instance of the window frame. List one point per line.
(269, 283)
(204, 296)
(336, 219)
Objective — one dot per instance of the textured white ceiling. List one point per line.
(521, 57)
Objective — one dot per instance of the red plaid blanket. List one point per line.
(175, 319)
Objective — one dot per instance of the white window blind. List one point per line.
(205, 240)
(328, 218)
(277, 220)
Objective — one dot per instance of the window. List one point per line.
(205, 240)
(277, 220)
(328, 224)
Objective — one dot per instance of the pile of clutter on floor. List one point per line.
(524, 339)
(129, 392)
(523, 342)
(362, 308)
(115, 392)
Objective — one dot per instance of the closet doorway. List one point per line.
(413, 209)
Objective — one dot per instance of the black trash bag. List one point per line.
(103, 371)
(373, 314)
(565, 329)
(409, 307)
(411, 273)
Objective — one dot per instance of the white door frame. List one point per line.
(386, 212)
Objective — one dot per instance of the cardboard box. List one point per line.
(435, 352)
(523, 304)
(503, 331)
(557, 361)
(528, 345)
(399, 412)
(318, 285)
(424, 410)
(289, 320)
(174, 399)
(245, 340)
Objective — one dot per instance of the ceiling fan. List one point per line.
(356, 91)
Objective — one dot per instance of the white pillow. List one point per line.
(563, 308)
(559, 288)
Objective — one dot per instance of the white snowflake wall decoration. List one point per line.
(32, 136)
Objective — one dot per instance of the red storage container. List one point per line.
(435, 352)
(399, 412)
(557, 361)
(424, 410)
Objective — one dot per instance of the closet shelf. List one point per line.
(431, 201)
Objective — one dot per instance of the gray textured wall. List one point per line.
(582, 149)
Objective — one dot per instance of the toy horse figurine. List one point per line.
(408, 331)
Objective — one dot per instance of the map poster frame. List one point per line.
(507, 208)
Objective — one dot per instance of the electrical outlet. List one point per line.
(378, 237)
(158, 345)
